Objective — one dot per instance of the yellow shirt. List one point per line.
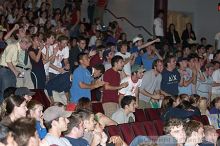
(10, 54)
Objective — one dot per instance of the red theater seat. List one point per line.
(140, 115)
(197, 118)
(205, 120)
(114, 131)
(150, 130)
(41, 97)
(159, 126)
(127, 132)
(153, 114)
(138, 128)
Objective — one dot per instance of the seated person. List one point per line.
(75, 130)
(203, 106)
(216, 106)
(194, 133)
(25, 132)
(211, 136)
(85, 103)
(6, 136)
(173, 128)
(125, 113)
(172, 107)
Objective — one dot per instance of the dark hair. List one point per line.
(116, 59)
(81, 39)
(48, 35)
(155, 62)
(4, 132)
(62, 37)
(31, 105)
(194, 98)
(80, 56)
(9, 91)
(10, 103)
(191, 126)
(214, 101)
(202, 39)
(24, 129)
(171, 124)
(168, 59)
(74, 121)
(126, 100)
(84, 114)
(170, 27)
(100, 67)
(83, 103)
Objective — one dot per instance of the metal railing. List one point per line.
(128, 21)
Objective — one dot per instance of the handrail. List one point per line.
(135, 26)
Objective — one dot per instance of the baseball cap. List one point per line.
(136, 68)
(136, 39)
(166, 140)
(21, 91)
(54, 112)
(2, 28)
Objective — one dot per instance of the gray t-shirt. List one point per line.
(150, 83)
(60, 141)
(120, 117)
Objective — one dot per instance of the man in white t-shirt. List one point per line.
(217, 41)
(59, 78)
(134, 82)
(128, 58)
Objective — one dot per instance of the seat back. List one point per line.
(138, 128)
(41, 97)
(205, 120)
(150, 130)
(159, 126)
(114, 130)
(140, 115)
(127, 132)
(153, 114)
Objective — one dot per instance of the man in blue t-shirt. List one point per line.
(170, 77)
(83, 83)
(75, 131)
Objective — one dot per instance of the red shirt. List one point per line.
(113, 78)
(95, 60)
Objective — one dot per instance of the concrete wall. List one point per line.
(206, 20)
(139, 12)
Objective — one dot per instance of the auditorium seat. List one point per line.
(159, 126)
(140, 115)
(97, 107)
(197, 118)
(114, 130)
(150, 129)
(138, 128)
(127, 132)
(41, 97)
(205, 120)
(152, 114)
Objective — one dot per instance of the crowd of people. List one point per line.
(77, 62)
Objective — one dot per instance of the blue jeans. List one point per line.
(7, 79)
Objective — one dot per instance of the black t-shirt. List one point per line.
(170, 81)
